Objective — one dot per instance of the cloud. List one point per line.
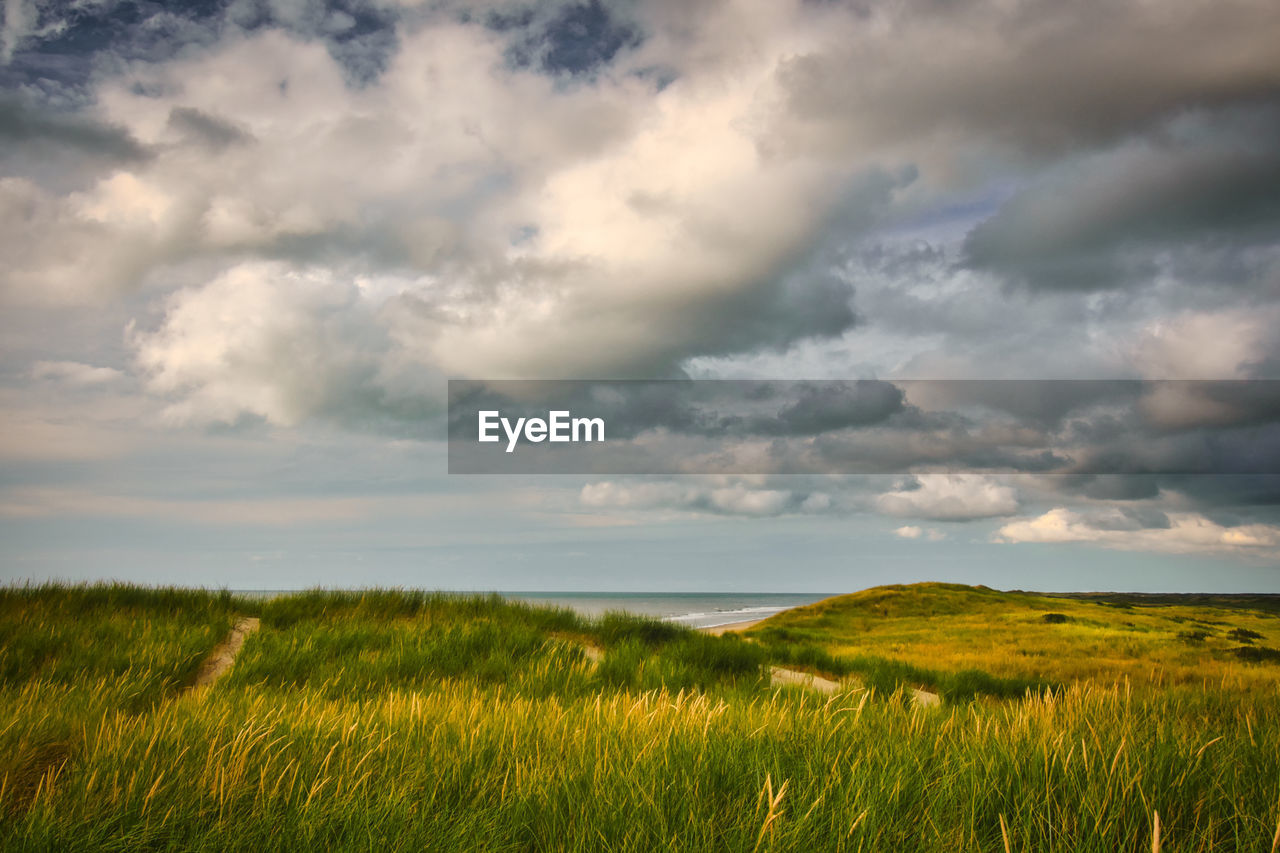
(604, 228)
(33, 130)
(621, 225)
(1182, 533)
(1094, 221)
(949, 497)
(266, 511)
(919, 71)
(1228, 343)
(207, 129)
(911, 531)
(874, 426)
(267, 341)
(821, 408)
(719, 496)
(314, 213)
(75, 373)
(64, 46)
(569, 38)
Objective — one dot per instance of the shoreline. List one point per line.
(717, 630)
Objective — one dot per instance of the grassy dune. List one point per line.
(407, 721)
(1029, 638)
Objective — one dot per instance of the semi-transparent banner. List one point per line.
(864, 426)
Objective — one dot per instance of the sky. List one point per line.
(245, 244)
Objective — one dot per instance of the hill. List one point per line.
(1050, 638)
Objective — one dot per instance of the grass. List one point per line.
(417, 721)
(948, 628)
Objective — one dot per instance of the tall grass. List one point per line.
(409, 721)
(72, 656)
(887, 675)
(472, 768)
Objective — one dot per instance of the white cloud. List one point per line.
(265, 340)
(643, 495)
(739, 500)
(19, 18)
(911, 531)
(1188, 532)
(602, 227)
(1205, 344)
(950, 497)
(75, 373)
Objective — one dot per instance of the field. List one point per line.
(414, 721)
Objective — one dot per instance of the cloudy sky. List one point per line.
(245, 243)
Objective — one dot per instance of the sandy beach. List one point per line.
(732, 626)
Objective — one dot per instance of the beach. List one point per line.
(717, 630)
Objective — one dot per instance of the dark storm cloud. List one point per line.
(1210, 180)
(1044, 404)
(820, 409)
(868, 426)
(1108, 487)
(207, 129)
(1229, 500)
(720, 409)
(1199, 451)
(32, 130)
(1246, 494)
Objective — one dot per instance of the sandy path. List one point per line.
(224, 654)
(780, 677)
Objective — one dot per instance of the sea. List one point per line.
(695, 609)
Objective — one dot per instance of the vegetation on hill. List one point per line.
(936, 631)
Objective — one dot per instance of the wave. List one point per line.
(704, 619)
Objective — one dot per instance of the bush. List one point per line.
(1055, 618)
(615, 627)
(621, 664)
(811, 656)
(1257, 654)
(968, 684)
(718, 657)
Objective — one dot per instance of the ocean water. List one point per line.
(695, 609)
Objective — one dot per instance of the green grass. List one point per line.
(417, 721)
